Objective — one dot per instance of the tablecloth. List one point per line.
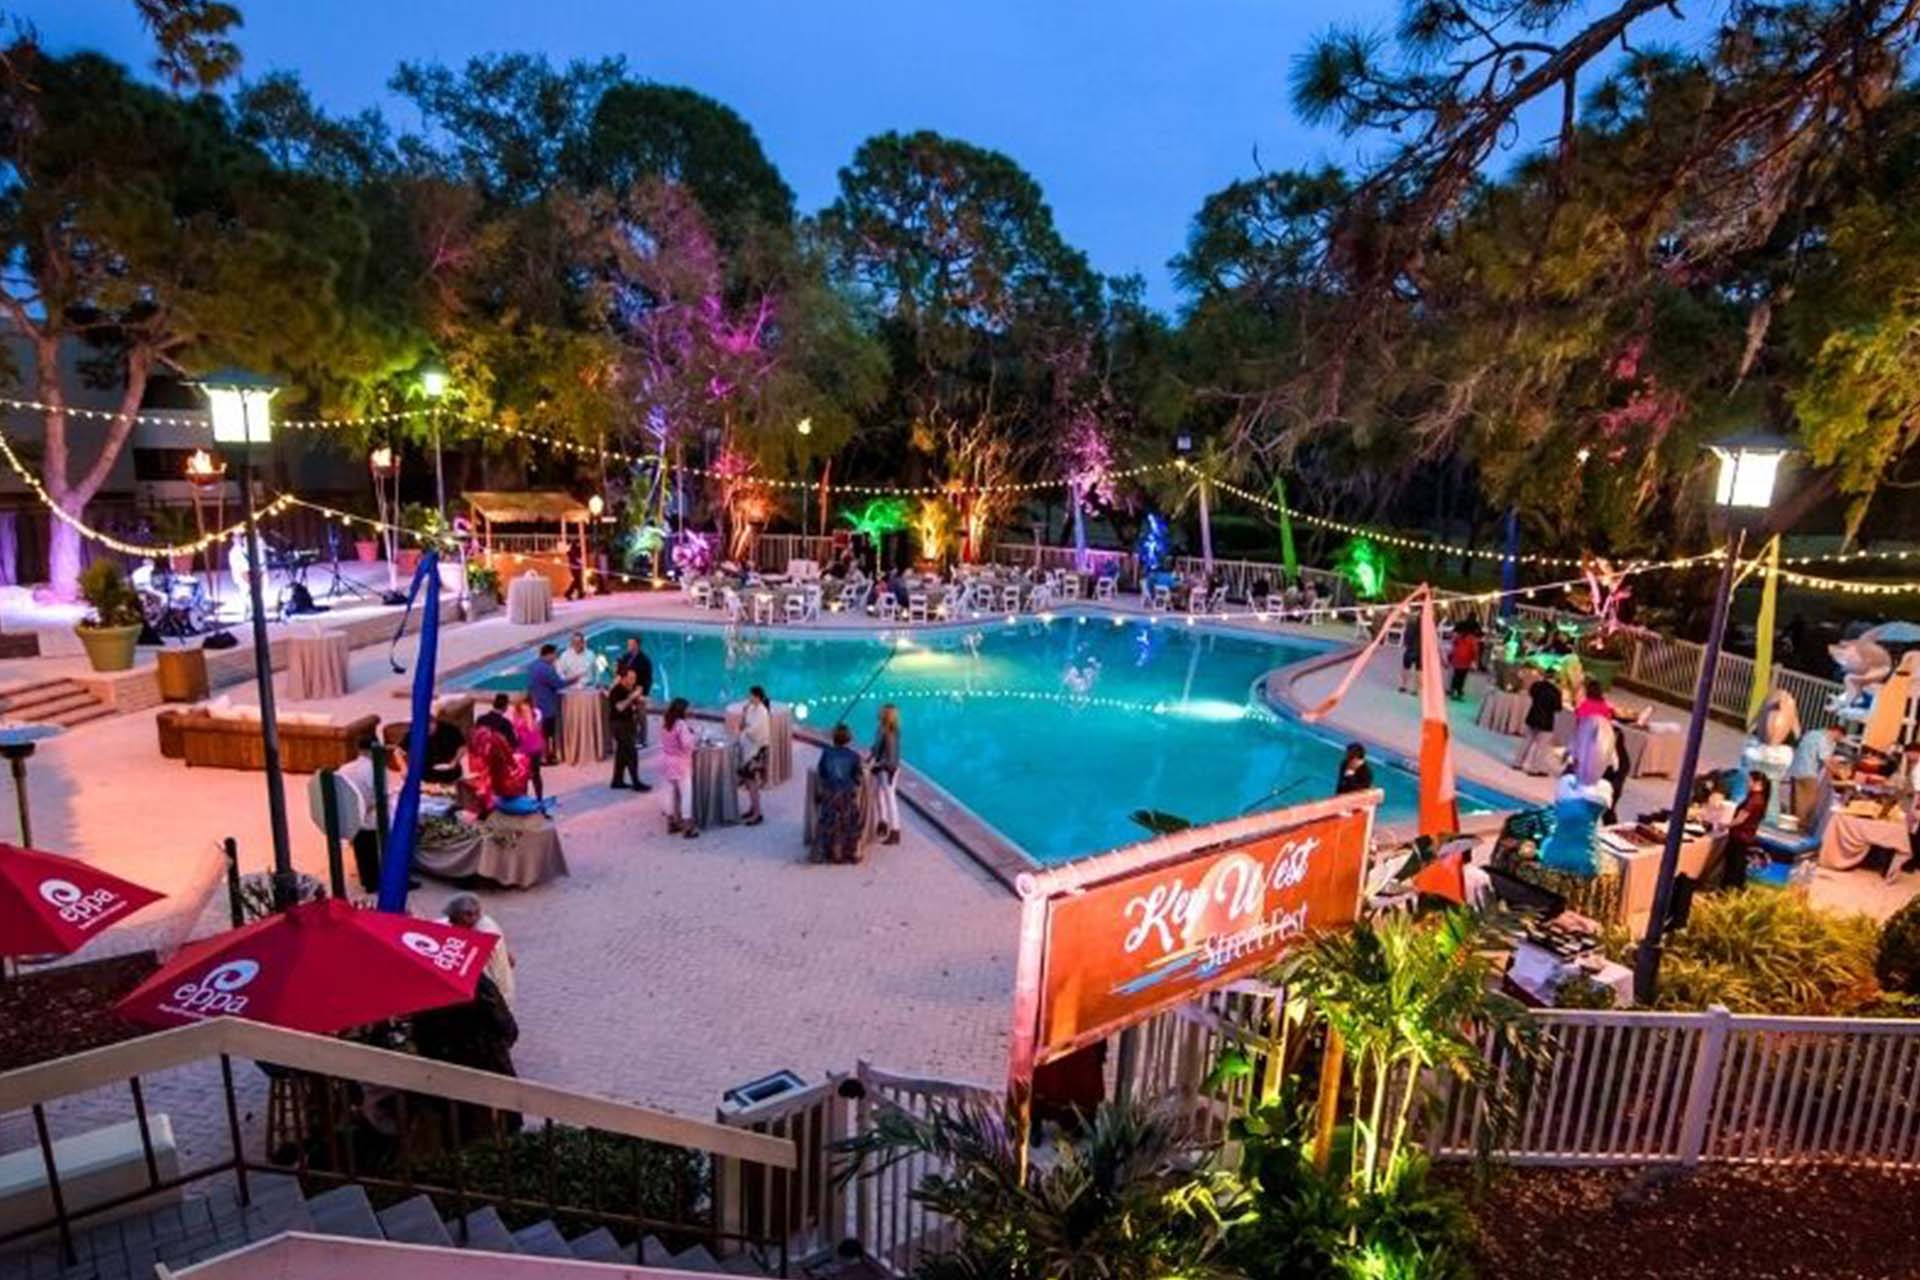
(1653, 749)
(584, 732)
(529, 600)
(517, 850)
(317, 664)
(869, 814)
(716, 794)
(1850, 837)
(779, 740)
(1503, 712)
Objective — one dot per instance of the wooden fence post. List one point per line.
(1704, 1084)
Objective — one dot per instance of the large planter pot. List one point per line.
(182, 564)
(109, 648)
(406, 560)
(366, 550)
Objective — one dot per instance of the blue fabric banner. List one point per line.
(396, 866)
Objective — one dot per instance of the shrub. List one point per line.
(483, 580)
(1897, 963)
(112, 602)
(1763, 951)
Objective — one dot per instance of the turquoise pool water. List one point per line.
(1052, 732)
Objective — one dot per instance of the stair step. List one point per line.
(345, 1211)
(77, 715)
(414, 1221)
(21, 690)
(695, 1259)
(50, 701)
(485, 1231)
(543, 1240)
(598, 1245)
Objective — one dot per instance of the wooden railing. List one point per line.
(328, 1084)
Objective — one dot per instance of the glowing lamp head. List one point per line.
(202, 469)
(381, 460)
(595, 505)
(239, 403)
(433, 381)
(1748, 466)
(804, 426)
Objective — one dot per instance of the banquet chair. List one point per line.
(731, 599)
(1041, 597)
(852, 597)
(917, 606)
(700, 594)
(1217, 602)
(1010, 599)
(952, 603)
(811, 601)
(887, 606)
(763, 609)
(1104, 589)
(796, 607)
(1160, 599)
(1070, 587)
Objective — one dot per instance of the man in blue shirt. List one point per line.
(544, 683)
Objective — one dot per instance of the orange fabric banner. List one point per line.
(1117, 951)
(1316, 712)
(1439, 806)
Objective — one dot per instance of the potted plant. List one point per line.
(366, 550)
(415, 518)
(483, 589)
(113, 622)
(1604, 651)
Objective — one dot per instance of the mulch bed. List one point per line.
(56, 1012)
(1755, 1223)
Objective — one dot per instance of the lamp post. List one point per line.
(1748, 465)
(240, 403)
(433, 381)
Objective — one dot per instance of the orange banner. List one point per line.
(1118, 950)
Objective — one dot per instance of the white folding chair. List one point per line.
(1010, 599)
(811, 603)
(1217, 602)
(796, 607)
(763, 609)
(887, 606)
(1160, 599)
(1104, 588)
(700, 594)
(1070, 587)
(731, 599)
(917, 606)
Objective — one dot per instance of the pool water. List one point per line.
(1053, 733)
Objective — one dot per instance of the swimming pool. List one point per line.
(1053, 732)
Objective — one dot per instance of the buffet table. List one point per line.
(584, 732)
(316, 664)
(1503, 712)
(716, 793)
(529, 600)
(516, 850)
(1653, 749)
(1852, 834)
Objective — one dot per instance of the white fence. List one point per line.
(1671, 668)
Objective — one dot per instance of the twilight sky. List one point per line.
(1128, 112)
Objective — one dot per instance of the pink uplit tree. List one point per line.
(1088, 450)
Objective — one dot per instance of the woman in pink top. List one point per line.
(675, 782)
(531, 742)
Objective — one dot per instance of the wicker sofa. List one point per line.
(203, 738)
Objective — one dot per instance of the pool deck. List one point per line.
(666, 970)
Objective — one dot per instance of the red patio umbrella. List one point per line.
(321, 967)
(50, 905)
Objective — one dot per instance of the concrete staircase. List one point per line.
(62, 702)
(209, 1227)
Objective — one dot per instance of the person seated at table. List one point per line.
(445, 742)
(1808, 770)
(465, 911)
(836, 824)
(478, 1033)
(575, 665)
(678, 742)
(495, 771)
(756, 739)
(1543, 709)
(495, 717)
(1260, 592)
(1740, 844)
(1355, 773)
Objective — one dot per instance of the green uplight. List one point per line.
(1365, 566)
(880, 516)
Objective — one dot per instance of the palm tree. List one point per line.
(1122, 1200)
(1196, 478)
(1411, 1001)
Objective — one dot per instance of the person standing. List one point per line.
(1409, 656)
(495, 717)
(677, 745)
(756, 737)
(1543, 709)
(530, 740)
(635, 659)
(1355, 773)
(1463, 656)
(884, 761)
(836, 826)
(1811, 757)
(576, 575)
(576, 664)
(544, 683)
(623, 699)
